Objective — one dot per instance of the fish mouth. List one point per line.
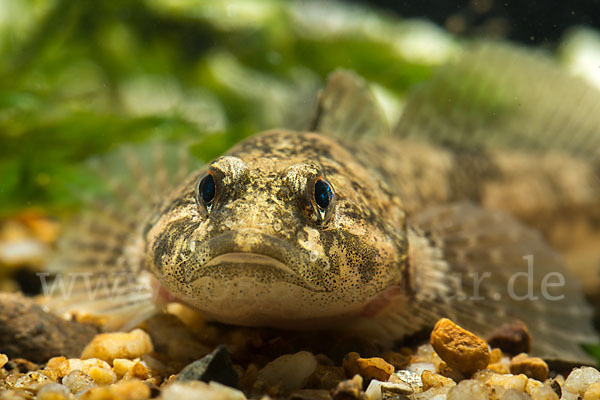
(256, 255)
(250, 259)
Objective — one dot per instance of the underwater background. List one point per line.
(78, 78)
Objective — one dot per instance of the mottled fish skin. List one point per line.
(265, 206)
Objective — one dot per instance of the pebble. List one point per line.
(349, 389)
(544, 393)
(580, 379)
(459, 348)
(3, 359)
(139, 370)
(512, 394)
(419, 367)
(408, 377)
(216, 366)
(55, 365)
(77, 381)
(102, 376)
(374, 368)
(122, 365)
(445, 370)
(327, 376)
(54, 391)
(194, 390)
(495, 356)
(499, 368)
(21, 365)
(377, 389)
(512, 338)
(398, 360)
(125, 390)
(31, 381)
(291, 371)
(369, 368)
(432, 380)
(533, 367)
(517, 382)
(468, 389)
(592, 392)
(108, 346)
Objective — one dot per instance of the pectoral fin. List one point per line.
(483, 269)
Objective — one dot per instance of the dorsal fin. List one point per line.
(498, 95)
(346, 107)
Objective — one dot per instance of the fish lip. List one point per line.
(248, 258)
(265, 250)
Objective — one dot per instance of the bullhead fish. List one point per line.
(354, 226)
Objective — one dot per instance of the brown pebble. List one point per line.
(326, 377)
(499, 368)
(20, 365)
(444, 370)
(374, 368)
(512, 338)
(398, 360)
(495, 355)
(108, 346)
(459, 348)
(350, 364)
(431, 380)
(533, 367)
(349, 389)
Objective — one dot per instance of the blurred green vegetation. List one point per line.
(79, 77)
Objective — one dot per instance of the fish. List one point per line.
(351, 225)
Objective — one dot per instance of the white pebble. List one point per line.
(512, 394)
(373, 392)
(419, 367)
(77, 381)
(544, 393)
(31, 381)
(54, 391)
(468, 389)
(410, 378)
(376, 389)
(291, 371)
(580, 378)
(194, 390)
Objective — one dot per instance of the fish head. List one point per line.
(284, 228)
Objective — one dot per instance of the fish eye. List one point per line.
(323, 199)
(323, 193)
(206, 191)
